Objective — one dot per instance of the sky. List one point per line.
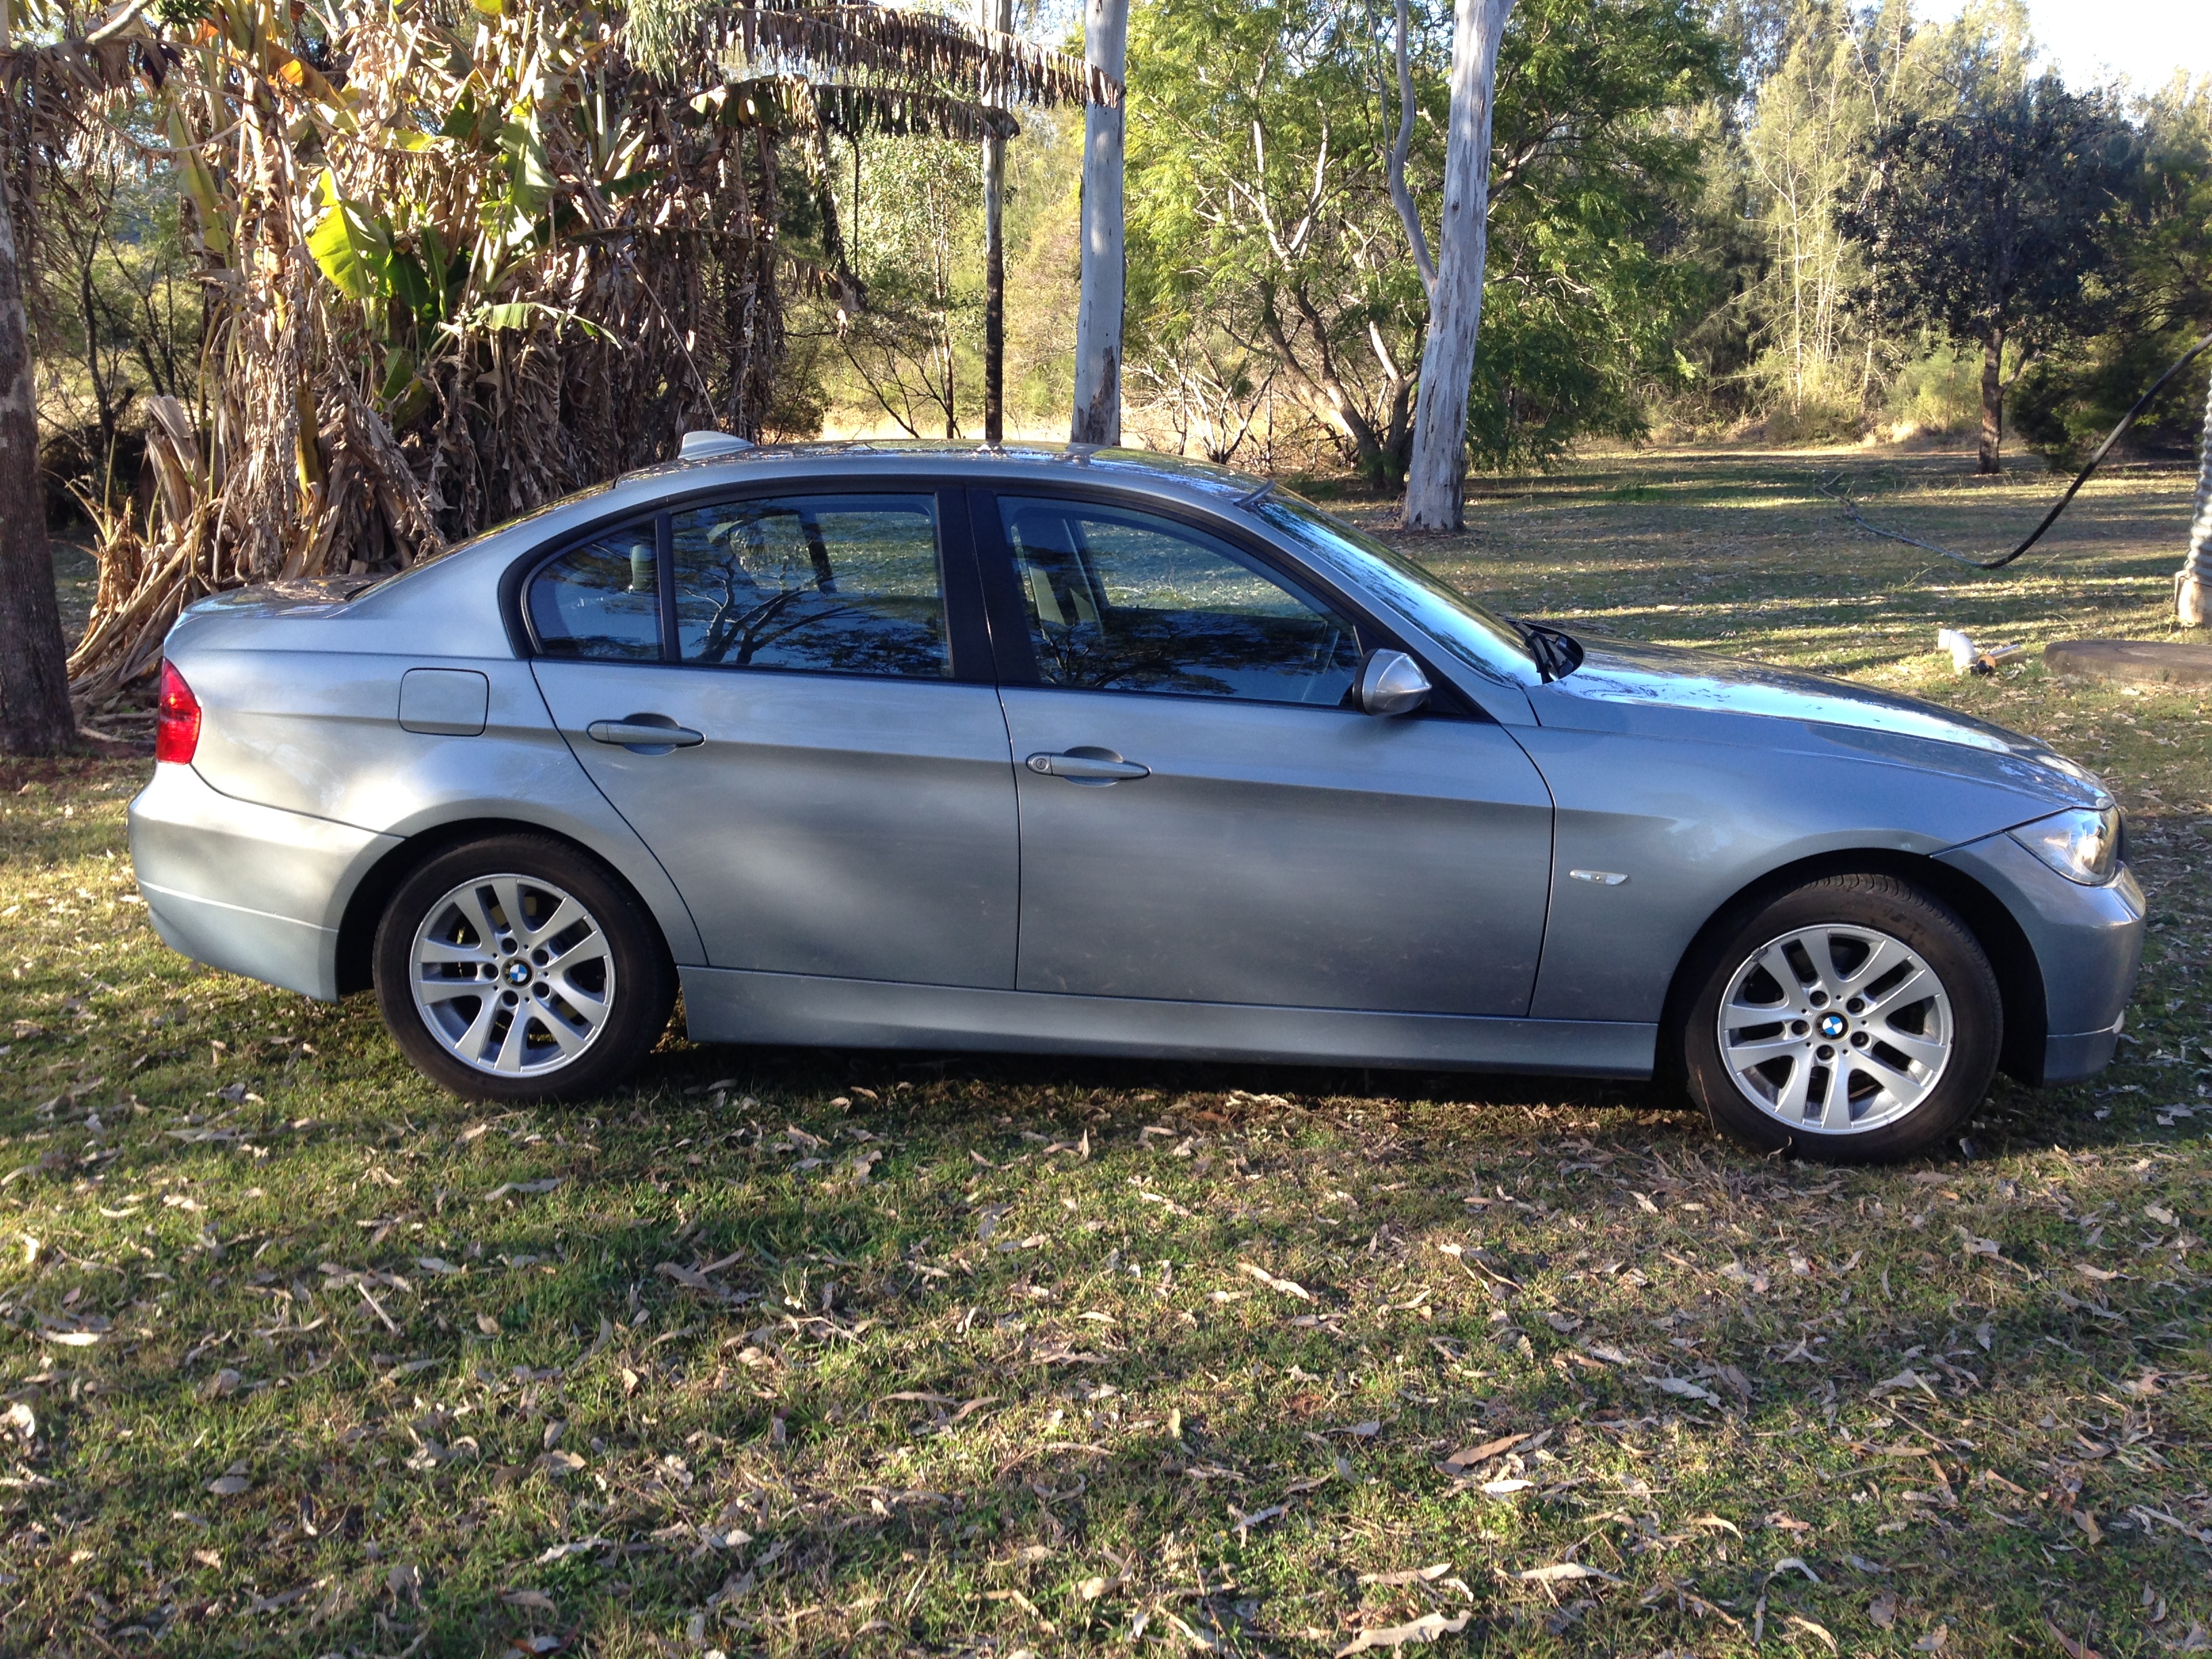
(2089, 41)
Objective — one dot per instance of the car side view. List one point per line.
(941, 746)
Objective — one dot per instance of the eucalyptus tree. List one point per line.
(1436, 476)
(1265, 241)
(1098, 414)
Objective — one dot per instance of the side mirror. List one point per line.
(1391, 683)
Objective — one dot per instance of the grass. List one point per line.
(826, 1352)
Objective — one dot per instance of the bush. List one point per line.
(1939, 394)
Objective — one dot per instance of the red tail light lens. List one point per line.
(177, 729)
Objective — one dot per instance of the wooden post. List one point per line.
(1097, 418)
(997, 15)
(2192, 587)
(1436, 478)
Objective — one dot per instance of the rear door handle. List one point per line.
(1087, 766)
(652, 734)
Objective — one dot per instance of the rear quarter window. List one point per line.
(600, 601)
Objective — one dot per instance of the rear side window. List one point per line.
(829, 584)
(600, 601)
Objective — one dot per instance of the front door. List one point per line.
(1204, 817)
(834, 795)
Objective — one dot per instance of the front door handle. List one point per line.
(1087, 766)
(645, 734)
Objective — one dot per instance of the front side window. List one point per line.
(833, 584)
(1122, 601)
(600, 601)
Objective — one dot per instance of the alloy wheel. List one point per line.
(1836, 1029)
(512, 975)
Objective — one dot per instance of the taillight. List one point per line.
(177, 728)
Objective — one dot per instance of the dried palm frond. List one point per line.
(690, 39)
(463, 260)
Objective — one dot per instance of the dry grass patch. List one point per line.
(784, 1353)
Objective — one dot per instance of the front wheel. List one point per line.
(518, 967)
(1854, 1020)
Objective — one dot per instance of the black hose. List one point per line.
(1833, 487)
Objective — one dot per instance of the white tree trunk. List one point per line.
(997, 15)
(1099, 320)
(1437, 475)
(2192, 589)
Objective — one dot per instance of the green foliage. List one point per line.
(1940, 391)
(2155, 299)
(1990, 222)
(1261, 227)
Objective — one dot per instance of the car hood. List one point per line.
(1618, 676)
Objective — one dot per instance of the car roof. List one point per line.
(857, 456)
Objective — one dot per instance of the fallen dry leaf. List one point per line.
(1407, 1576)
(1287, 1286)
(1468, 1456)
(574, 1547)
(1820, 1630)
(1563, 1572)
(1882, 1610)
(1427, 1628)
(2069, 1646)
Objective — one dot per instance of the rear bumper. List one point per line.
(252, 889)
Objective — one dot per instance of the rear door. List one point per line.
(1204, 816)
(834, 794)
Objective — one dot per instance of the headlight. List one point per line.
(2081, 845)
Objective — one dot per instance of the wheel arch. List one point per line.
(365, 906)
(2011, 957)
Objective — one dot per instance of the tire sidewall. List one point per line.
(644, 978)
(1916, 920)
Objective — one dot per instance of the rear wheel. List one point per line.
(1854, 1020)
(519, 967)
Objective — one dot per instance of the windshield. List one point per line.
(1485, 642)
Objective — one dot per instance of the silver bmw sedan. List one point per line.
(939, 746)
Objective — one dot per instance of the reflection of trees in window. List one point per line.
(1123, 607)
(1202, 653)
(757, 586)
(600, 601)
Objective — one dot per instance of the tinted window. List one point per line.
(1124, 602)
(1477, 638)
(601, 600)
(837, 584)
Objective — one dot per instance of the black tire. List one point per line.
(1867, 1103)
(608, 990)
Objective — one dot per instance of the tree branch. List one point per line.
(1400, 196)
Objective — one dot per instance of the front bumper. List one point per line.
(2087, 943)
(253, 889)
